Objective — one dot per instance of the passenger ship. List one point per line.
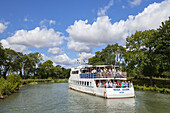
(90, 79)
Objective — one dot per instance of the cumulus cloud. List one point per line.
(78, 46)
(63, 59)
(84, 36)
(18, 48)
(55, 51)
(45, 58)
(102, 11)
(85, 56)
(37, 37)
(2, 27)
(135, 2)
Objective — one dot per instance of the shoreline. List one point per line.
(26, 82)
(152, 89)
(38, 81)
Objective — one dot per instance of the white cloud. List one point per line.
(102, 11)
(63, 59)
(55, 51)
(135, 2)
(46, 22)
(78, 46)
(85, 56)
(3, 27)
(52, 22)
(45, 58)
(37, 37)
(123, 6)
(18, 48)
(84, 36)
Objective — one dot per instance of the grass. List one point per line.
(27, 81)
(156, 89)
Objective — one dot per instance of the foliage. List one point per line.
(109, 55)
(10, 84)
(144, 88)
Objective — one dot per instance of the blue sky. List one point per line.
(62, 29)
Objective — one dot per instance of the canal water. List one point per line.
(57, 98)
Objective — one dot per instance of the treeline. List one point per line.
(147, 53)
(28, 65)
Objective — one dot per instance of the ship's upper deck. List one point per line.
(99, 72)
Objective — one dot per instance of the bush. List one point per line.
(4, 86)
(14, 81)
(10, 84)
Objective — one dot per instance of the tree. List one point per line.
(9, 61)
(108, 55)
(2, 58)
(162, 48)
(46, 69)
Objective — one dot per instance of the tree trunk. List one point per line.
(151, 84)
(21, 73)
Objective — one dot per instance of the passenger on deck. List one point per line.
(114, 72)
(114, 85)
(126, 84)
(110, 84)
(94, 70)
(110, 70)
(99, 70)
(119, 73)
(129, 85)
(101, 73)
(105, 72)
(118, 84)
(107, 85)
(122, 84)
(98, 84)
(109, 73)
(101, 84)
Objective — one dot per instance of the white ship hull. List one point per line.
(109, 93)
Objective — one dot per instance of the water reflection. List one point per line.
(82, 102)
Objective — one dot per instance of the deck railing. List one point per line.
(103, 75)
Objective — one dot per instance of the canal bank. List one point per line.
(15, 83)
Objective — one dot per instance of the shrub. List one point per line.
(14, 81)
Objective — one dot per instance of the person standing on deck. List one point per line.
(118, 84)
(110, 84)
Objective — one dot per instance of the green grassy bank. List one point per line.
(30, 81)
(161, 85)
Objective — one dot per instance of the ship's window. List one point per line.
(75, 72)
(87, 83)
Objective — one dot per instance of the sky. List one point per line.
(65, 30)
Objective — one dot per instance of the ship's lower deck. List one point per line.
(110, 93)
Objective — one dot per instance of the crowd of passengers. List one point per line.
(115, 84)
(108, 72)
